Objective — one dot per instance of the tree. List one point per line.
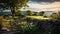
(35, 13)
(13, 4)
(54, 15)
(59, 14)
(29, 12)
(19, 12)
(41, 13)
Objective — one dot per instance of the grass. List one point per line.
(6, 22)
(37, 17)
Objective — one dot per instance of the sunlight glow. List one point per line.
(55, 6)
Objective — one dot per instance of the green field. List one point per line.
(37, 17)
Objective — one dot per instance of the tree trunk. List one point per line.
(13, 10)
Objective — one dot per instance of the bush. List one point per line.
(41, 13)
(29, 13)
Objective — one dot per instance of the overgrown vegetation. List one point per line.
(28, 24)
(55, 15)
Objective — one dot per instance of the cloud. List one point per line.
(44, 0)
(44, 6)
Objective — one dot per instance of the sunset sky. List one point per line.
(44, 5)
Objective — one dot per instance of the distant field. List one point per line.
(37, 17)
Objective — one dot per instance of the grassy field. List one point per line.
(37, 17)
(6, 22)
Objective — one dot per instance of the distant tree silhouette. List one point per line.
(41, 13)
(35, 13)
(54, 16)
(58, 14)
(29, 12)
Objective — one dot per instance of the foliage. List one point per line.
(55, 28)
(29, 13)
(35, 13)
(30, 28)
(41, 13)
(45, 16)
(54, 15)
(59, 14)
(13, 4)
(19, 12)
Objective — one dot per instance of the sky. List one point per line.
(44, 5)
